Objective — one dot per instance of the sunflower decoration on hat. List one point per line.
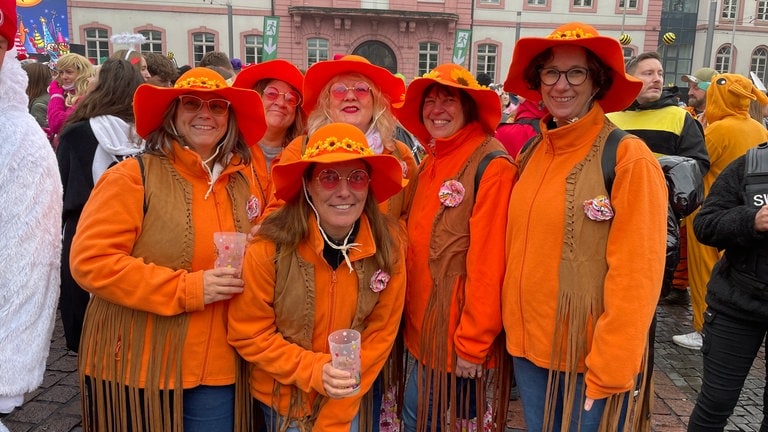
(623, 87)
(451, 75)
(150, 102)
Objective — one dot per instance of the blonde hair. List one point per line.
(383, 120)
(84, 69)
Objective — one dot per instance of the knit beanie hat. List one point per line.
(8, 21)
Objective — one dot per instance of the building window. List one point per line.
(631, 4)
(201, 44)
(582, 3)
(96, 44)
(537, 2)
(317, 50)
(729, 9)
(427, 57)
(723, 59)
(762, 10)
(629, 54)
(490, 2)
(486, 60)
(254, 45)
(759, 62)
(154, 41)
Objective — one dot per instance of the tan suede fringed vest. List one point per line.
(582, 272)
(114, 337)
(294, 307)
(449, 243)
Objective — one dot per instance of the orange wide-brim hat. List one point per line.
(451, 75)
(624, 88)
(339, 142)
(276, 69)
(321, 73)
(150, 102)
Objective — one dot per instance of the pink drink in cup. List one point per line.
(345, 352)
(230, 250)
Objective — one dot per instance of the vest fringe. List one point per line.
(113, 343)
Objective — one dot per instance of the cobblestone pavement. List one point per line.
(55, 406)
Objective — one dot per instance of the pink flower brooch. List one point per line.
(598, 208)
(451, 193)
(379, 280)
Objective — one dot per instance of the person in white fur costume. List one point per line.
(30, 245)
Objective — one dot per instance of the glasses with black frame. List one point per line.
(574, 76)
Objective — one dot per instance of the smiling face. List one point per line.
(201, 130)
(352, 108)
(651, 73)
(278, 114)
(564, 100)
(442, 112)
(66, 77)
(341, 206)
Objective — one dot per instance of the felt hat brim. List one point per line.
(276, 69)
(385, 171)
(151, 102)
(620, 95)
(321, 73)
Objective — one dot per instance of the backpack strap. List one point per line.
(483, 164)
(532, 122)
(608, 161)
(140, 160)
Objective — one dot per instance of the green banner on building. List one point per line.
(461, 46)
(269, 48)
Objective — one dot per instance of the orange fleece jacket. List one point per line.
(253, 332)
(474, 331)
(635, 254)
(102, 263)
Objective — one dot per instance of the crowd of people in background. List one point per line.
(482, 238)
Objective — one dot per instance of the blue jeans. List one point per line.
(209, 408)
(729, 348)
(411, 400)
(273, 420)
(532, 384)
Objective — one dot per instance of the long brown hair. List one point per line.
(39, 79)
(116, 82)
(160, 141)
(289, 225)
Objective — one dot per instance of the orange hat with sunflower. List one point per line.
(151, 102)
(340, 142)
(451, 75)
(619, 95)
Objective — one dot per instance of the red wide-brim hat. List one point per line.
(339, 142)
(276, 69)
(624, 88)
(321, 73)
(151, 102)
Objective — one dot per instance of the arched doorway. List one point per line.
(378, 53)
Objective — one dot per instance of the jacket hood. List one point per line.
(530, 109)
(730, 95)
(668, 98)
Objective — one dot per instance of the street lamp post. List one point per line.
(230, 31)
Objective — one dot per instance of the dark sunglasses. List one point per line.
(357, 180)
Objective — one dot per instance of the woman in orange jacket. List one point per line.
(154, 354)
(584, 259)
(327, 260)
(456, 228)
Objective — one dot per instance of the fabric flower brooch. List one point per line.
(379, 280)
(451, 193)
(598, 208)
